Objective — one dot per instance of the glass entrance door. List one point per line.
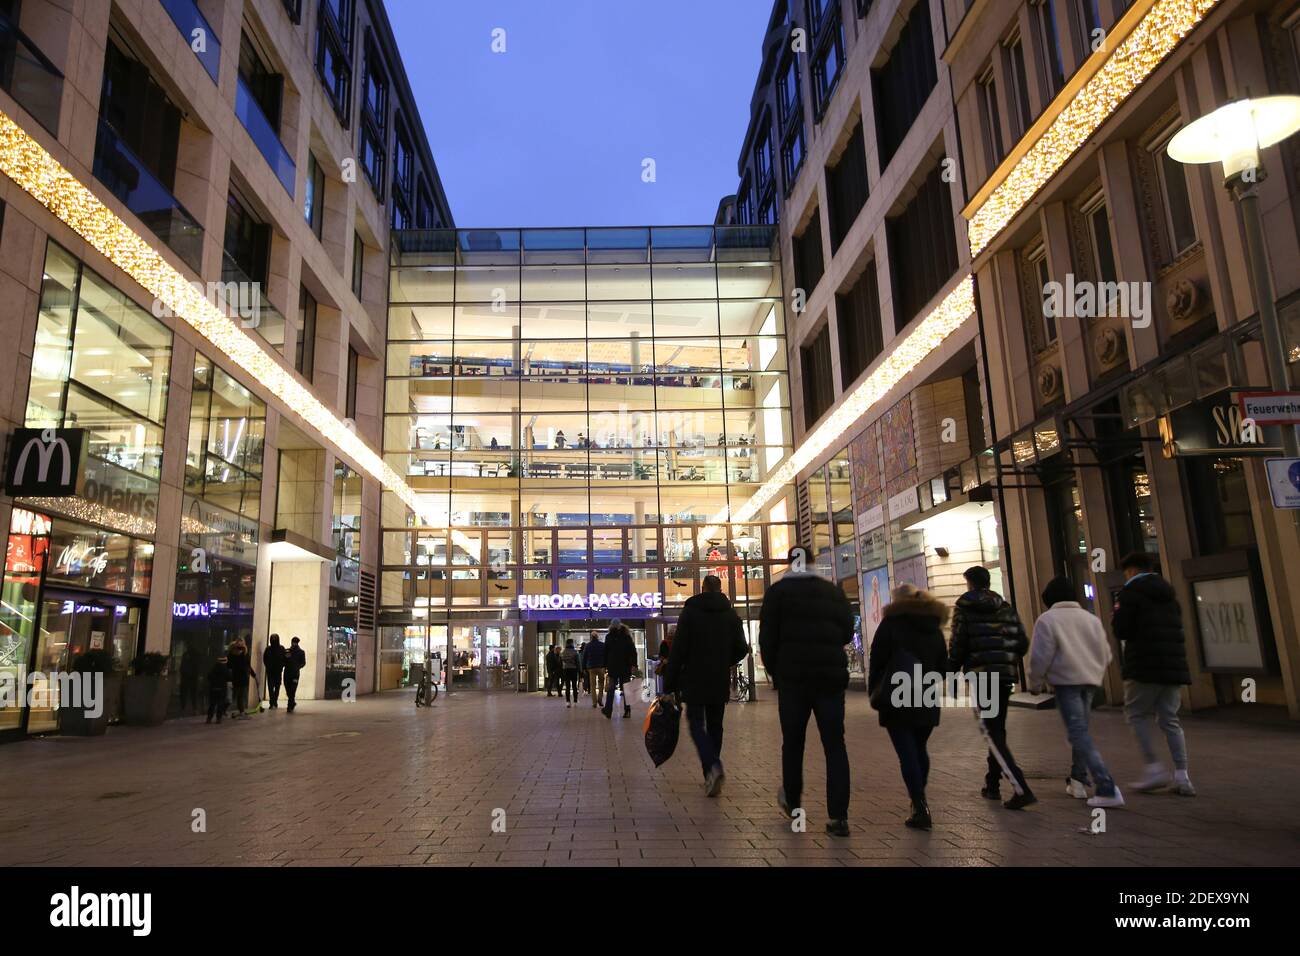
(70, 625)
(484, 655)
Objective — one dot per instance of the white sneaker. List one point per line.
(1117, 800)
(1075, 789)
(1153, 778)
(1183, 784)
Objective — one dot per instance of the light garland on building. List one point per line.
(945, 319)
(1133, 60)
(32, 167)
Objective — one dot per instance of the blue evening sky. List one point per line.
(553, 131)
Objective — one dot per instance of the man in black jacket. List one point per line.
(710, 640)
(1148, 623)
(620, 661)
(294, 662)
(805, 623)
(988, 639)
(273, 659)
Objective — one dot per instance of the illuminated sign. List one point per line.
(71, 608)
(46, 462)
(81, 557)
(590, 602)
(195, 610)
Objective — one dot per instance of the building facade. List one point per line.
(949, 407)
(198, 199)
(582, 413)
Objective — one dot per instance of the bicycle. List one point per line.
(741, 686)
(426, 691)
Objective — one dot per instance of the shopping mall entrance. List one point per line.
(540, 635)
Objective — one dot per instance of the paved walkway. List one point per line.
(378, 782)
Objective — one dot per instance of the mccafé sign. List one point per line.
(46, 462)
(619, 600)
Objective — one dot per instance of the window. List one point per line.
(858, 315)
(1098, 220)
(401, 217)
(828, 64)
(424, 217)
(376, 87)
(787, 90)
(808, 262)
(247, 242)
(304, 356)
(922, 248)
(763, 157)
(1050, 40)
(817, 14)
(990, 121)
(141, 116)
(1090, 23)
(792, 155)
(1015, 57)
(745, 203)
(358, 264)
(373, 137)
(846, 187)
(1177, 203)
(354, 359)
(267, 88)
(403, 162)
(767, 215)
(313, 206)
(372, 157)
(1042, 276)
(294, 9)
(334, 26)
(903, 84)
(815, 364)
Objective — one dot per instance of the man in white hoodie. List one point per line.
(1069, 651)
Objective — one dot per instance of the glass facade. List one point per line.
(573, 407)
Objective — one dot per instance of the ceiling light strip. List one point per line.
(1134, 59)
(32, 167)
(945, 319)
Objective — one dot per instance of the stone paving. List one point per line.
(377, 782)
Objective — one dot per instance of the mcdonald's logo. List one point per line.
(45, 462)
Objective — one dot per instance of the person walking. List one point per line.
(710, 640)
(294, 662)
(1148, 623)
(620, 662)
(553, 669)
(218, 689)
(570, 662)
(593, 662)
(804, 626)
(988, 640)
(241, 672)
(908, 647)
(1069, 651)
(273, 659)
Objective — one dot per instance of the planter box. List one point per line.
(145, 699)
(73, 722)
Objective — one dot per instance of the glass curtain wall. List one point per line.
(574, 407)
(217, 563)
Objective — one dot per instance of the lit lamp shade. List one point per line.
(1235, 133)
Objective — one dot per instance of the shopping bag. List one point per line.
(662, 728)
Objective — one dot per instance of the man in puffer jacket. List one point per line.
(987, 638)
(805, 623)
(1148, 623)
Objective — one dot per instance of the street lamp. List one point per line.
(744, 543)
(1233, 135)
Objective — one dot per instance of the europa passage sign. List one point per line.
(619, 600)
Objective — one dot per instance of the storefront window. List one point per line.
(26, 552)
(217, 564)
(1221, 510)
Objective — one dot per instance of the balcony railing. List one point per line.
(198, 33)
(247, 304)
(264, 136)
(127, 178)
(29, 77)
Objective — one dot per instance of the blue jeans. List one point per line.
(1074, 701)
(705, 723)
(1145, 704)
(913, 759)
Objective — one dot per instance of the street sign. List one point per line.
(1271, 408)
(1284, 481)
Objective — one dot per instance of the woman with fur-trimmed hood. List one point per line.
(908, 643)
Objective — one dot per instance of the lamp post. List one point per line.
(1233, 135)
(744, 545)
